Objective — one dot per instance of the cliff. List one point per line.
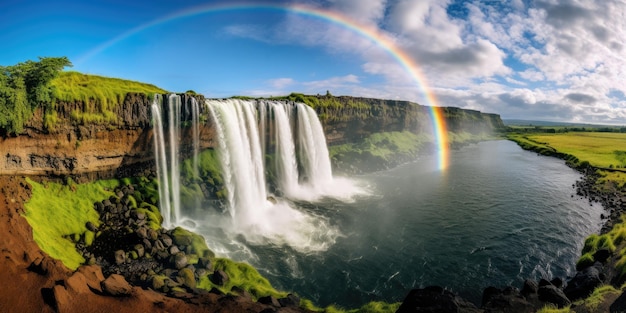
(123, 145)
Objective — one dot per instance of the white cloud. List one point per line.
(281, 83)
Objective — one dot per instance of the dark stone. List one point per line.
(290, 300)
(436, 300)
(180, 260)
(269, 300)
(490, 293)
(91, 227)
(554, 295)
(147, 244)
(142, 233)
(619, 305)
(173, 250)
(204, 263)
(602, 255)
(544, 282)
(557, 282)
(583, 284)
(530, 287)
(140, 250)
(219, 277)
(120, 257)
(167, 240)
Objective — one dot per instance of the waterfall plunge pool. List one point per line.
(496, 216)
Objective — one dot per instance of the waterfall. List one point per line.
(174, 130)
(285, 161)
(161, 160)
(290, 134)
(242, 128)
(195, 128)
(312, 147)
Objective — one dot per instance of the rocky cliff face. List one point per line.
(351, 122)
(126, 146)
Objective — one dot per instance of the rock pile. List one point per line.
(129, 245)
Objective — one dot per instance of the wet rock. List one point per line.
(204, 263)
(585, 281)
(116, 285)
(290, 300)
(434, 299)
(557, 282)
(552, 294)
(269, 300)
(530, 287)
(602, 255)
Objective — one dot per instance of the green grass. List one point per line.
(598, 297)
(371, 307)
(244, 276)
(99, 94)
(551, 308)
(599, 149)
(56, 211)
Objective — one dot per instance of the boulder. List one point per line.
(93, 276)
(61, 297)
(120, 257)
(77, 283)
(435, 299)
(180, 260)
(552, 294)
(602, 255)
(219, 277)
(290, 300)
(187, 277)
(269, 300)
(584, 282)
(530, 287)
(116, 286)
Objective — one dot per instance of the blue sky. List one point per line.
(547, 59)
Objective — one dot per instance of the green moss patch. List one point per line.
(57, 211)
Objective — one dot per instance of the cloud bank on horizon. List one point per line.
(558, 60)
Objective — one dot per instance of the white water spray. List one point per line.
(161, 160)
(195, 128)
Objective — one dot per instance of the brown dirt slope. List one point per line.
(31, 281)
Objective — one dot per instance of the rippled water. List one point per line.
(496, 216)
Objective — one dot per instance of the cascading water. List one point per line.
(286, 165)
(174, 173)
(195, 127)
(259, 216)
(246, 131)
(161, 160)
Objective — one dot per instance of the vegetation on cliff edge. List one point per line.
(24, 87)
(100, 95)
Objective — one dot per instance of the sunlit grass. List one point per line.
(56, 211)
(599, 148)
(99, 94)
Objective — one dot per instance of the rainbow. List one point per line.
(371, 33)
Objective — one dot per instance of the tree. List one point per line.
(24, 87)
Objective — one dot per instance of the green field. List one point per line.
(604, 151)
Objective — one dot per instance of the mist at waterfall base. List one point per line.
(496, 216)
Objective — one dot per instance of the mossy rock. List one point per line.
(183, 237)
(188, 277)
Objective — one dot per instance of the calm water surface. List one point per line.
(496, 216)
